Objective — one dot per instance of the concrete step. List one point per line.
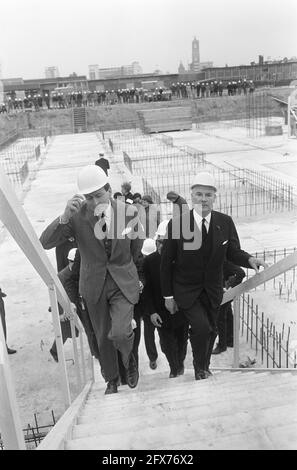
(281, 437)
(127, 396)
(160, 382)
(139, 409)
(152, 437)
(158, 417)
(284, 437)
(252, 440)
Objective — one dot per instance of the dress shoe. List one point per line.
(11, 351)
(218, 350)
(54, 355)
(208, 373)
(172, 374)
(230, 344)
(132, 374)
(180, 370)
(112, 387)
(201, 374)
(153, 365)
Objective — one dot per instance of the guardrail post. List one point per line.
(10, 422)
(83, 359)
(236, 326)
(75, 352)
(58, 337)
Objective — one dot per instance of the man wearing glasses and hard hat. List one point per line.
(106, 231)
(192, 260)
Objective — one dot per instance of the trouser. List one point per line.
(149, 338)
(137, 335)
(173, 342)
(202, 319)
(225, 326)
(138, 312)
(111, 319)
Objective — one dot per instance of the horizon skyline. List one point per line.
(162, 72)
(119, 33)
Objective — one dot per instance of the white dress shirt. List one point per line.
(107, 215)
(198, 220)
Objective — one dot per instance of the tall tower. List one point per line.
(195, 51)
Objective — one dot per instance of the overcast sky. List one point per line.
(72, 34)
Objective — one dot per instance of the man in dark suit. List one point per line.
(192, 260)
(109, 239)
(69, 277)
(126, 192)
(103, 163)
(62, 251)
(172, 329)
(232, 276)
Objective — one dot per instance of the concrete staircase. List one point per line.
(230, 410)
(79, 120)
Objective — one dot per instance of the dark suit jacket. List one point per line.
(94, 261)
(232, 274)
(155, 302)
(183, 273)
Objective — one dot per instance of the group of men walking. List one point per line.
(183, 277)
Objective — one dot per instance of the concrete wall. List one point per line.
(125, 115)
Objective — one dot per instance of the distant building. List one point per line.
(195, 51)
(195, 66)
(274, 71)
(181, 68)
(44, 85)
(96, 73)
(52, 72)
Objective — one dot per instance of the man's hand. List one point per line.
(156, 320)
(63, 317)
(72, 313)
(73, 206)
(171, 306)
(255, 263)
(141, 286)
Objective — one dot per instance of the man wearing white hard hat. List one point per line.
(192, 267)
(172, 330)
(109, 240)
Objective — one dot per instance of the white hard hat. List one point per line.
(162, 227)
(91, 178)
(71, 254)
(148, 247)
(203, 179)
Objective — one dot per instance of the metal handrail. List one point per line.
(260, 278)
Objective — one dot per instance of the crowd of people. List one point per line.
(128, 266)
(179, 90)
(206, 89)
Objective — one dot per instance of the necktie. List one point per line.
(204, 231)
(103, 222)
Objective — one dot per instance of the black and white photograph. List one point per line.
(148, 228)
